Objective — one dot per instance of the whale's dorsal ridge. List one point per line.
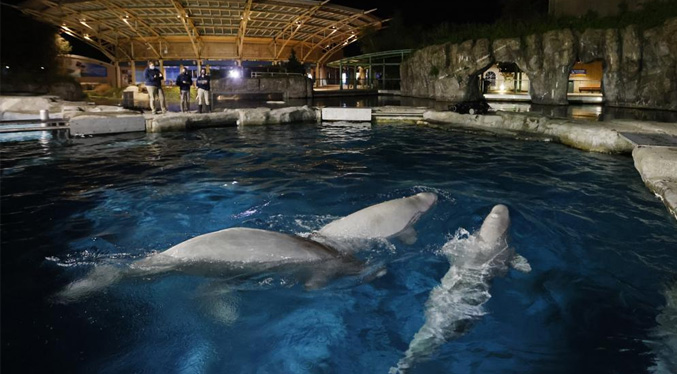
(393, 218)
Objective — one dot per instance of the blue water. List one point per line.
(603, 251)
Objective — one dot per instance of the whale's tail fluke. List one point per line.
(99, 278)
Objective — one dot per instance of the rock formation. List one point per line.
(290, 86)
(640, 68)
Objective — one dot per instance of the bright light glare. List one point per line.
(234, 74)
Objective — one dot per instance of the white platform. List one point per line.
(98, 124)
(346, 114)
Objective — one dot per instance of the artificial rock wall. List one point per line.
(290, 86)
(640, 69)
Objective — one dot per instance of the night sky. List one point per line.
(430, 12)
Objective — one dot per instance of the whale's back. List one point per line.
(381, 220)
(249, 246)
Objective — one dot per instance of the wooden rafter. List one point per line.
(295, 25)
(335, 27)
(77, 32)
(126, 16)
(191, 30)
(243, 27)
(240, 23)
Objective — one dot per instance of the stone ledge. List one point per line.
(589, 136)
(106, 123)
(658, 168)
(230, 117)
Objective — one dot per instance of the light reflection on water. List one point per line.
(600, 244)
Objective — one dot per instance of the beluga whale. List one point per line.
(393, 218)
(241, 250)
(458, 300)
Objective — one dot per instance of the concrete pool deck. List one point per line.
(653, 145)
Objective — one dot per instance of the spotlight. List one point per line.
(234, 73)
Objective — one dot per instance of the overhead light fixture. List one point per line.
(234, 73)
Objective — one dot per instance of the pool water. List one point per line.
(603, 250)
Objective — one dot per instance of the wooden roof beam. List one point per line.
(334, 27)
(243, 27)
(333, 49)
(295, 25)
(191, 30)
(126, 17)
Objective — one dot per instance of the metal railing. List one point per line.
(40, 125)
(267, 74)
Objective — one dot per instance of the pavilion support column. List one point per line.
(118, 75)
(321, 74)
(356, 75)
(162, 70)
(384, 74)
(132, 70)
(370, 75)
(340, 75)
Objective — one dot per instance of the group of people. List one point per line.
(154, 78)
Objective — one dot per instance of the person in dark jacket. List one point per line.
(184, 81)
(203, 89)
(153, 78)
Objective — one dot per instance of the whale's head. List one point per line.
(495, 226)
(424, 200)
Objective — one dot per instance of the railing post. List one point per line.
(340, 75)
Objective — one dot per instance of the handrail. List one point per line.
(42, 125)
(259, 74)
(27, 129)
(35, 120)
(385, 54)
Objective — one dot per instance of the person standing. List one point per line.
(184, 81)
(203, 89)
(154, 85)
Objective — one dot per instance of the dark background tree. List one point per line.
(28, 48)
(293, 65)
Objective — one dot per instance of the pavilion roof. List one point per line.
(114, 26)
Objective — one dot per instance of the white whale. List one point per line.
(458, 301)
(393, 218)
(244, 250)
